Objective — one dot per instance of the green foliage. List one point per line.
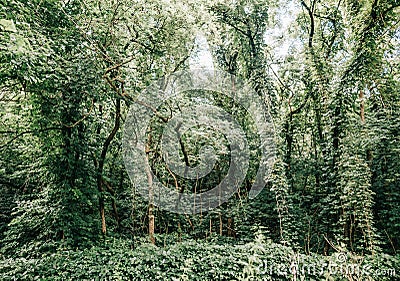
(71, 69)
(258, 260)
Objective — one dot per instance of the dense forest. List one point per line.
(302, 171)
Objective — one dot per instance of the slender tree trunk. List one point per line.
(151, 195)
(100, 168)
(220, 224)
(362, 107)
(231, 228)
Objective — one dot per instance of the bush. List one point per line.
(191, 260)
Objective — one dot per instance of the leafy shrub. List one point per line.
(191, 260)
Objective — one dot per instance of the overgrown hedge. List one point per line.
(191, 260)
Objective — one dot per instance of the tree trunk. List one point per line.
(362, 107)
(151, 195)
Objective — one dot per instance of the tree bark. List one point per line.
(151, 195)
(362, 107)
(100, 167)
